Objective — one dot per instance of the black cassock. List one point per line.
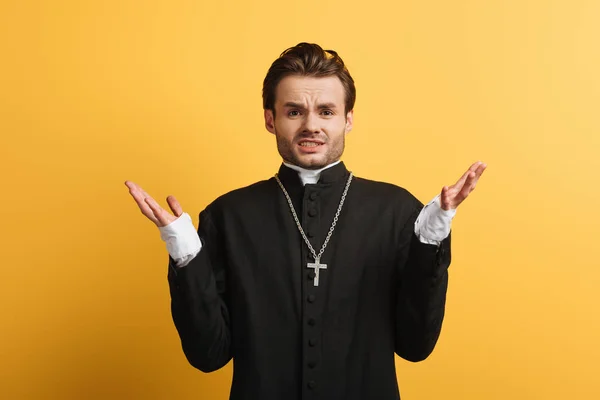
(248, 294)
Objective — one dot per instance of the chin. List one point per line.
(312, 162)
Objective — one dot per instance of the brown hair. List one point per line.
(307, 59)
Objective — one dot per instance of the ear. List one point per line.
(270, 121)
(349, 120)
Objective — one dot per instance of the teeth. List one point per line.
(309, 144)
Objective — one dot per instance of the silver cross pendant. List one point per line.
(316, 266)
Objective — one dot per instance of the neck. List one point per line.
(309, 175)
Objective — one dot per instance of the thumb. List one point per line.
(175, 206)
(445, 199)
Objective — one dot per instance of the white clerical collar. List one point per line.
(309, 175)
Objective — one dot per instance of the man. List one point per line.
(310, 281)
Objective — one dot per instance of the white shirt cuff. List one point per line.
(433, 224)
(181, 238)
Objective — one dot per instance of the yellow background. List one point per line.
(167, 94)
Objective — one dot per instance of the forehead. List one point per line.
(310, 89)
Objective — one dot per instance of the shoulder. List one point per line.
(249, 196)
(387, 200)
(385, 191)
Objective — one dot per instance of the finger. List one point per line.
(478, 172)
(174, 206)
(140, 193)
(144, 192)
(136, 191)
(459, 184)
(133, 186)
(474, 182)
(140, 200)
(147, 211)
(466, 184)
(137, 196)
(139, 189)
(159, 213)
(468, 187)
(480, 169)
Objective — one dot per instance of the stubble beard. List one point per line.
(333, 154)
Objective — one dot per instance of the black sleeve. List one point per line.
(421, 300)
(198, 302)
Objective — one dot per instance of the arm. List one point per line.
(198, 302)
(423, 281)
(421, 297)
(196, 280)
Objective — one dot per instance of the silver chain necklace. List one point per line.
(316, 266)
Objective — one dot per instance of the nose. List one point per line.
(311, 124)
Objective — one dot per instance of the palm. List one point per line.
(151, 209)
(453, 196)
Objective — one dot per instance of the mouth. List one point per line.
(310, 146)
(310, 143)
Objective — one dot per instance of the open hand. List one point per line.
(151, 209)
(453, 195)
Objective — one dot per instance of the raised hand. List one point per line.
(452, 196)
(151, 209)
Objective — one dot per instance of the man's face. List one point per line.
(310, 122)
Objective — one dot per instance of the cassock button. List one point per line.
(312, 364)
(310, 233)
(312, 321)
(311, 298)
(312, 212)
(313, 342)
(313, 196)
(312, 384)
(311, 275)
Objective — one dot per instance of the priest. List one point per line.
(312, 280)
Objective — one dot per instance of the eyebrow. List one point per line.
(291, 104)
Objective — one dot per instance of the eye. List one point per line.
(327, 113)
(293, 113)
